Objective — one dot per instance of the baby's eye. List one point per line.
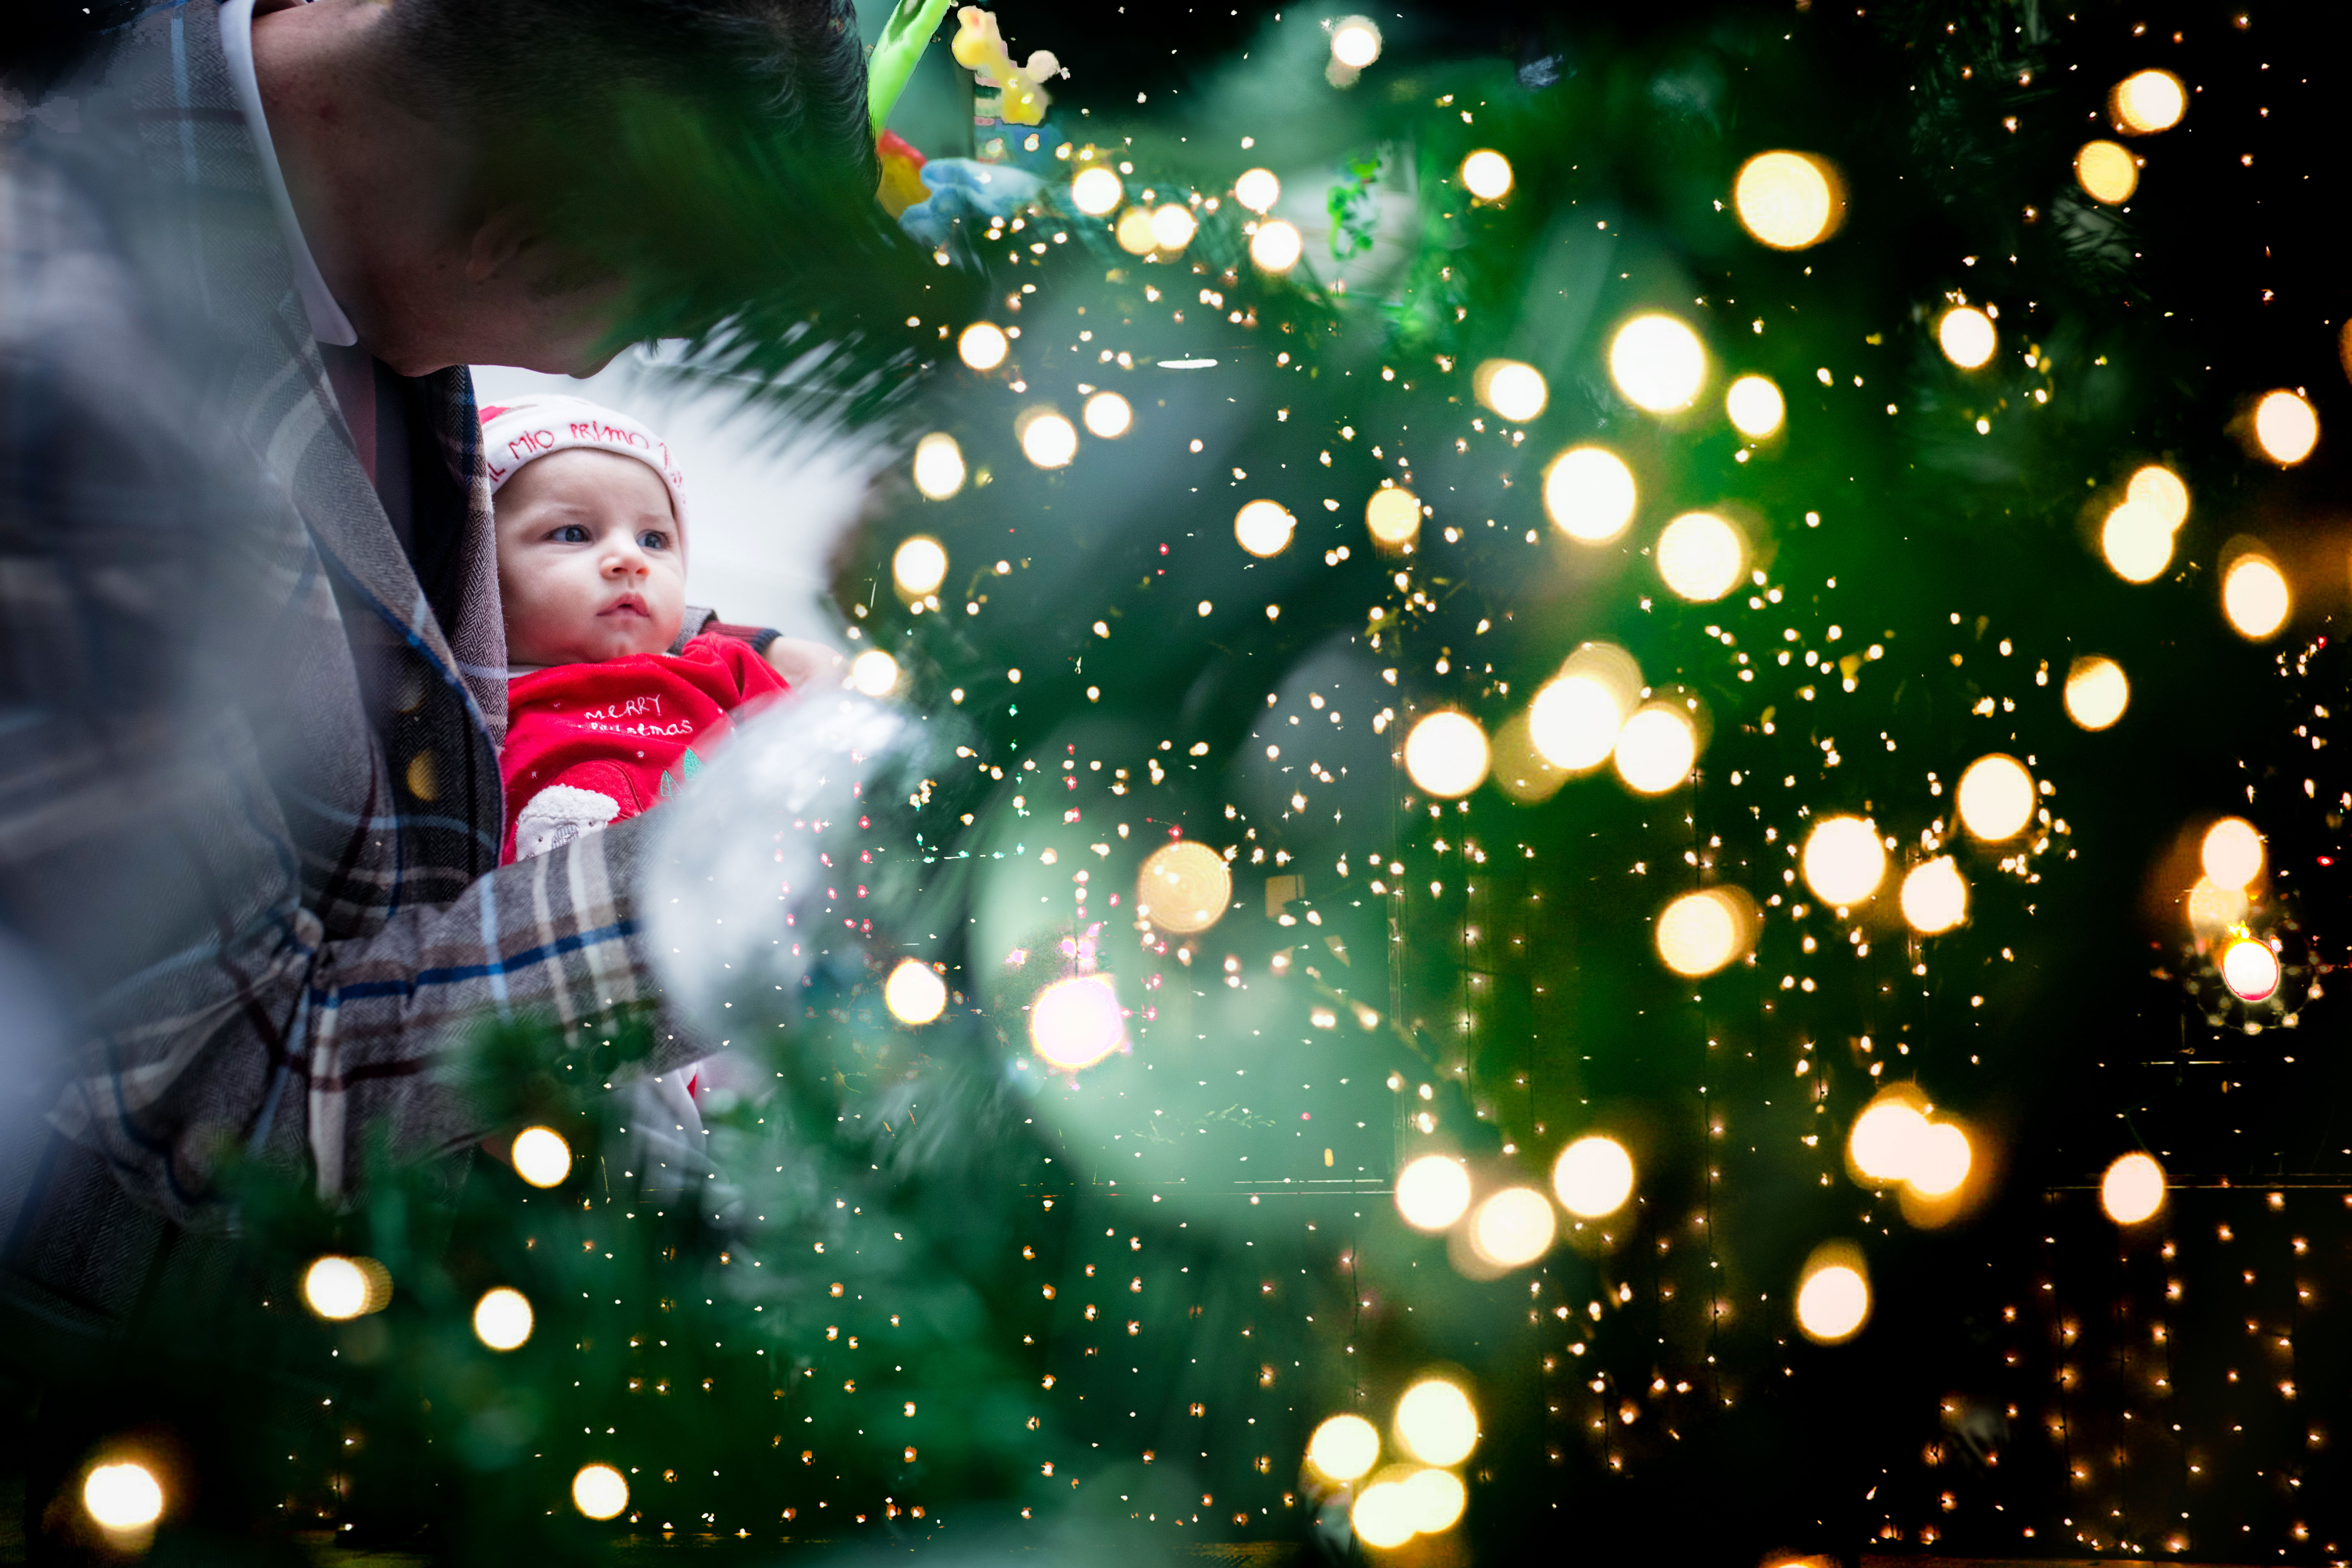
(570, 533)
(652, 539)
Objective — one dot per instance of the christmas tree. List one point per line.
(1610, 751)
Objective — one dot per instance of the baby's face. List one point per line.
(589, 564)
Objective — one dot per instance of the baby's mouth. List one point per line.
(626, 605)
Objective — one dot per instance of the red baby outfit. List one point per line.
(590, 744)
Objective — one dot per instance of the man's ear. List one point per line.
(499, 241)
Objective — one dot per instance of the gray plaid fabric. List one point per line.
(249, 798)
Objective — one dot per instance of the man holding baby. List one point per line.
(256, 669)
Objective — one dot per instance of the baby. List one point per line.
(602, 720)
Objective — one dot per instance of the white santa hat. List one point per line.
(515, 433)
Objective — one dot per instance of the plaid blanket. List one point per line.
(250, 796)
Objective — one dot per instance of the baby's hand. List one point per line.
(803, 662)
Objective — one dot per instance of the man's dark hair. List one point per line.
(716, 154)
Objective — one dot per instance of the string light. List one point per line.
(600, 1491)
(874, 673)
(1356, 42)
(1701, 557)
(1108, 415)
(1344, 1449)
(1787, 200)
(122, 1497)
(1588, 494)
(1593, 1176)
(1172, 226)
(1755, 406)
(502, 1319)
(1996, 797)
(1436, 1422)
(2133, 1189)
(1183, 888)
(1134, 232)
(919, 565)
(1941, 1165)
(1446, 754)
(2255, 597)
(939, 465)
(1437, 1498)
(1382, 1516)
(2148, 101)
(541, 1156)
(1843, 861)
(1393, 517)
(1047, 440)
(2285, 428)
(2137, 541)
(983, 345)
(1486, 174)
(1275, 246)
(2251, 969)
(1967, 336)
(1934, 897)
(1257, 189)
(1433, 1192)
(1885, 1142)
(2232, 853)
(915, 994)
(2213, 908)
(1657, 749)
(1513, 1228)
(1700, 933)
(1094, 190)
(2107, 171)
(2158, 489)
(339, 1289)
(1658, 363)
(1513, 390)
(2096, 692)
(1833, 1299)
(1076, 1023)
(1263, 527)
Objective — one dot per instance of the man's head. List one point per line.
(591, 514)
(531, 181)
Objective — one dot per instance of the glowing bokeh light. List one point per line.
(1700, 933)
(1886, 1140)
(1996, 797)
(541, 1156)
(1486, 174)
(600, 1491)
(1593, 1176)
(1275, 246)
(2097, 691)
(1657, 749)
(874, 673)
(983, 345)
(1588, 494)
(1658, 363)
(2214, 909)
(1843, 860)
(1257, 189)
(502, 1319)
(1438, 1498)
(1513, 1227)
(1107, 414)
(1356, 42)
(2251, 969)
(2255, 597)
(1048, 440)
(123, 1496)
(1701, 556)
(1436, 1422)
(335, 1287)
(939, 465)
(1074, 1023)
(1513, 390)
(1833, 1303)
(1094, 190)
(2146, 102)
(1172, 226)
(1134, 232)
(1574, 722)
(2232, 853)
(1263, 527)
(1433, 1192)
(1967, 336)
(1184, 887)
(1786, 200)
(2158, 489)
(1934, 897)
(919, 565)
(2133, 1189)
(1755, 406)
(1382, 1516)
(1344, 1449)
(2285, 428)
(2107, 171)
(1940, 1166)
(2137, 542)
(915, 994)
(1393, 517)
(1446, 754)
